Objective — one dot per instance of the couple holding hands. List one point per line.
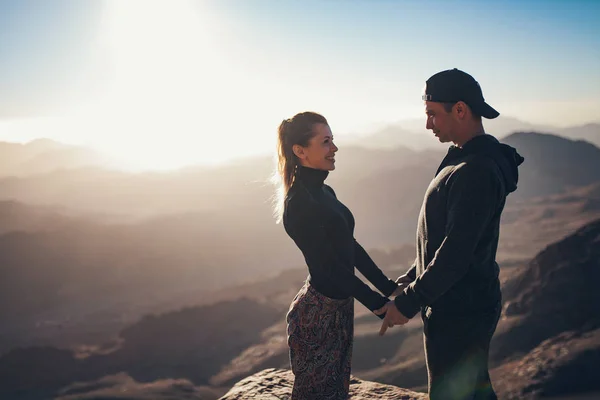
(453, 282)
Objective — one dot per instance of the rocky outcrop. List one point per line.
(557, 293)
(565, 365)
(277, 384)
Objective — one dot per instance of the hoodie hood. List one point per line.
(505, 156)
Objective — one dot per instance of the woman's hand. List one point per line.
(402, 281)
(399, 290)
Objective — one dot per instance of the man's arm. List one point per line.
(412, 271)
(404, 280)
(473, 197)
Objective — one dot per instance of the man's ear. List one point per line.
(461, 109)
(298, 151)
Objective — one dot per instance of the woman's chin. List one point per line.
(326, 166)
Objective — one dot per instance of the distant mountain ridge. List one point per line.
(589, 132)
(553, 164)
(15, 216)
(412, 133)
(46, 155)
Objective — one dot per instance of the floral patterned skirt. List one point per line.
(320, 333)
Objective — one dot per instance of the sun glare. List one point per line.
(166, 105)
(183, 83)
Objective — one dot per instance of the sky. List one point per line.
(165, 83)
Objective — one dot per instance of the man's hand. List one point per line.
(402, 281)
(392, 317)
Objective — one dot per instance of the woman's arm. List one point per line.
(304, 223)
(367, 267)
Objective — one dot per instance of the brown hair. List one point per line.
(291, 131)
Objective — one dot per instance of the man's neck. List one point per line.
(472, 131)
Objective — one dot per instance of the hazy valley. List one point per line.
(115, 280)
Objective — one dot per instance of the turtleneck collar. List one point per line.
(311, 176)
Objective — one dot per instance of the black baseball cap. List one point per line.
(454, 85)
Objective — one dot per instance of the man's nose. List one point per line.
(429, 124)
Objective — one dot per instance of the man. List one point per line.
(454, 280)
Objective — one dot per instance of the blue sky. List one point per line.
(212, 73)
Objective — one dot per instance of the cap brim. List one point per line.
(486, 111)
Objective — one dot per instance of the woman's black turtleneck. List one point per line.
(323, 228)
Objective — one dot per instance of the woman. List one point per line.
(321, 316)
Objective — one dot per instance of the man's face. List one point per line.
(440, 122)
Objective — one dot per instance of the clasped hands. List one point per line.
(392, 315)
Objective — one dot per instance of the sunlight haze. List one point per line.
(163, 84)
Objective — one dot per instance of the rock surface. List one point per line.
(565, 365)
(276, 384)
(557, 293)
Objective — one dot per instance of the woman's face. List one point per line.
(320, 152)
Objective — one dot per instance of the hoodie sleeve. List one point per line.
(412, 271)
(305, 226)
(472, 200)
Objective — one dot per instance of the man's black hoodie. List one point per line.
(455, 271)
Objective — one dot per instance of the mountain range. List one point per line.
(99, 267)
(74, 237)
(45, 155)
(547, 343)
(412, 133)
